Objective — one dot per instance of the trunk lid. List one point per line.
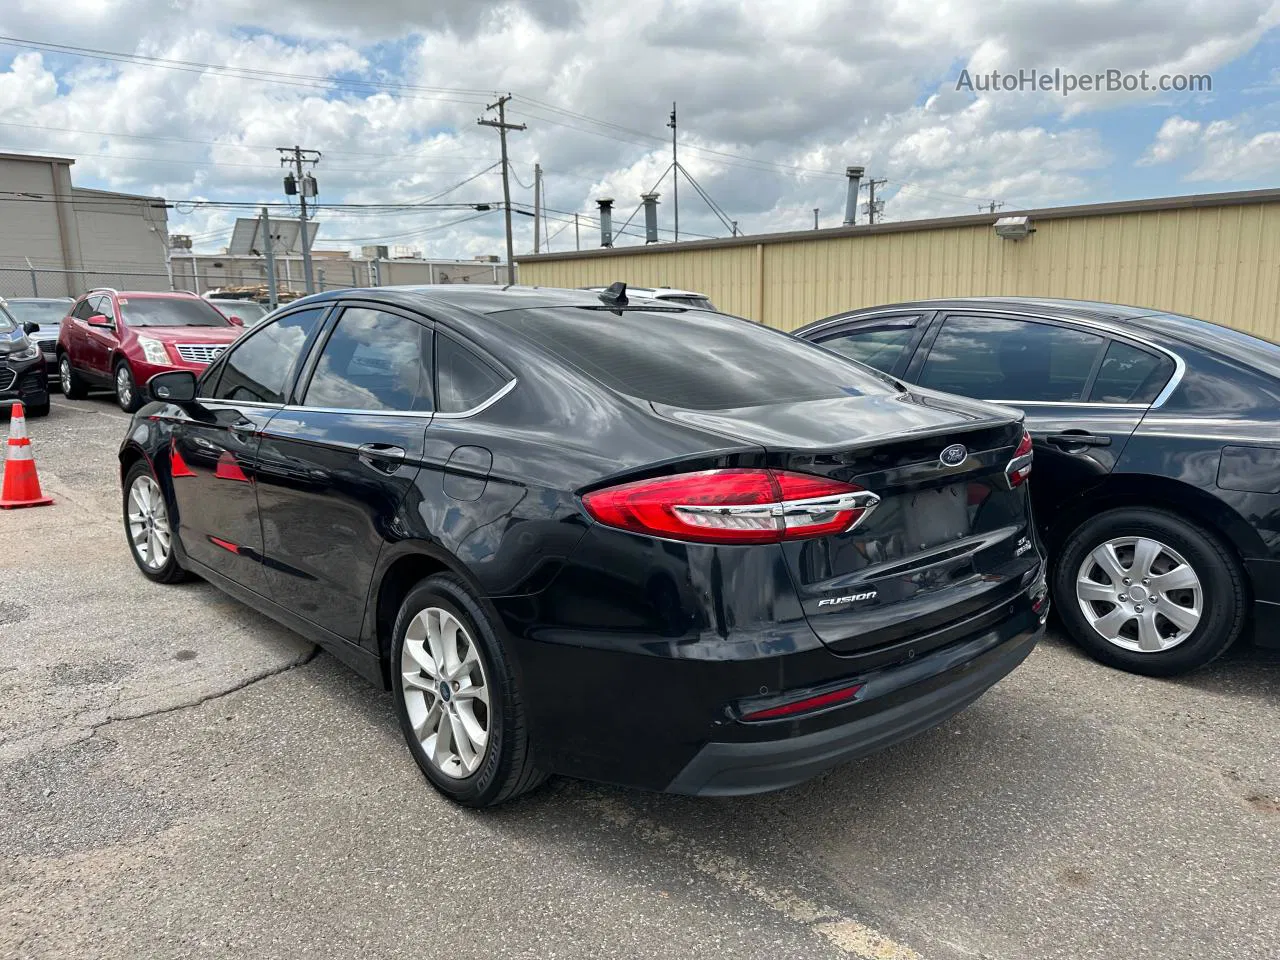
(948, 545)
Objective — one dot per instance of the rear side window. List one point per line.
(465, 381)
(1130, 375)
(999, 358)
(695, 360)
(881, 347)
(373, 361)
(258, 367)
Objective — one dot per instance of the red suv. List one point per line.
(118, 340)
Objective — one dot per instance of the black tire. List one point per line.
(171, 571)
(37, 409)
(134, 398)
(507, 769)
(1221, 580)
(73, 385)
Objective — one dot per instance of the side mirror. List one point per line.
(176, 386)
(98, 320)
(30, 327)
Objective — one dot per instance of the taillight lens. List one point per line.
(733, 506)
(1019, 467)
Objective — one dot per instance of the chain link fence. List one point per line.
(205, 273)
(18, 282)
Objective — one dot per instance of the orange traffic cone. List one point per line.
(21, 485)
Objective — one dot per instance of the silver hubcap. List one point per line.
(124, 386)
(149, 523)
(446, 692)
(64, 371)
(1139, 594)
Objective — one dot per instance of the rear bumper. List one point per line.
(1264, 578)
(904, 700)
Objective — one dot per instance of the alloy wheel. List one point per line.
(64, 375)
(446, 692)
(124, 386)
(149, 522)
(1139, 594)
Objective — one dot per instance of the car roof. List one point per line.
(475, 299)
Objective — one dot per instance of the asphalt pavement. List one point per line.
(180, 777)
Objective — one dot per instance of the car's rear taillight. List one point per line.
(1019, 467)
(733, 506)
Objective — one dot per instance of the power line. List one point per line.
(449, 94)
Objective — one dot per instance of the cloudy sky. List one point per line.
(187, 99)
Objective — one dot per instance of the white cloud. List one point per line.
(790, 83)
(1220, 151)
(1175, 137)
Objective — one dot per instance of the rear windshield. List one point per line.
(1246, 348)
(702, 361)
(47, 313)
(170, 312)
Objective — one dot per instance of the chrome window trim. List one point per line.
(484, 404)
(1063, 403)
(303, 408)
(256, 404)
(427, 414)
(1179, 365)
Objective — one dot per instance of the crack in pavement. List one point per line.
(207, 698)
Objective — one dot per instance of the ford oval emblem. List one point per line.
(954, 455)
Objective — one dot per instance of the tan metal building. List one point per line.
(1214, 256)
(57, 239)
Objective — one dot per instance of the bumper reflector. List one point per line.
(808, 704)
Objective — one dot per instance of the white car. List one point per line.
(684, 298)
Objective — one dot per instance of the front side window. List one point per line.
(1130, 375)
(999, 358)
(258, 368)
(880, 347)
(465, 381)
(84, 309)
(373, 361)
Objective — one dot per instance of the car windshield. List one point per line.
(691, 359)
(1247, 348)
(170, 312)
(47, 313)
(697, 303)
(246, 310)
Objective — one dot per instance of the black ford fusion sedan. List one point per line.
(1157, 443)
(643, 544)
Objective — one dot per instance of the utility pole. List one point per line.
(502, 127)
(675, 174)
(272, 295)
(302, 186)
(537, 208)
(577, 238)
(992, 207)
(815, 217)
(873, 209)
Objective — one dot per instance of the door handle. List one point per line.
(244, 426)
(1081, 439)
(381, 456)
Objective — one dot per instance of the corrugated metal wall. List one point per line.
(1218, 262)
